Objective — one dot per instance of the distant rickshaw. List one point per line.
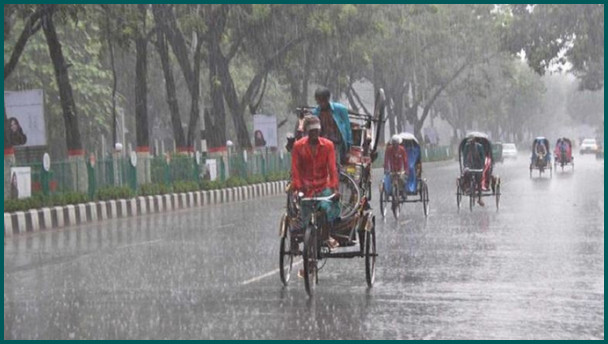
(541, 156)
(414, 188)
(563, 154)
(476, 165)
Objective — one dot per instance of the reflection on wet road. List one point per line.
(533, 270)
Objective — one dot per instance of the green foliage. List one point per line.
(185, 186)
(90, 80)
(234, 181)
(68, 198)
(153, 189)
(256, 179)
(277, 176)
(114, 192)
(551, 34)
(212, 185)
(24, 204)
(38, 201)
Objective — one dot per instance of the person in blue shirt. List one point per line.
(335, 124)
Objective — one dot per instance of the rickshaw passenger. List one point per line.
(474, 159)
(335, 124)
(414, 166)
(563, 150)
(395, 160)
(541, 150)
(314, 173)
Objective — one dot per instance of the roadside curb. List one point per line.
(35, 220)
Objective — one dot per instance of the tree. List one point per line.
(426, 49)
(72, 132)
(552, 35)
(32, 24)
(89, 78)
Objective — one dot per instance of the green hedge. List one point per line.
(185, 186)
(114, 192)
(153, 189)
(39, 201)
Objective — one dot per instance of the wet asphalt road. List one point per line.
(533, 270)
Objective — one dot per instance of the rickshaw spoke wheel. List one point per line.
(285, 255)
(497, 196)
(310, 260)
(396, 204)
(472, 192)
(370, 253)
(458, 193)
(425, 198)
(383, 200)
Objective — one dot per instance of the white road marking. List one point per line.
(139, 244)
(268, 274)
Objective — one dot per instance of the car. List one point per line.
(509, 151)
(588, 146)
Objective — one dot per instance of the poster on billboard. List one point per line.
(21, 182)
(210, 169)
(264, 131)
(25, 112)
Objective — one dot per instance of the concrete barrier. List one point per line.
(61, 216)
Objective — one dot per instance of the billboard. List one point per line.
(264, 131)
(21, 182)
(25, 112)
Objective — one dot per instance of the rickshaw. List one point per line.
(476, 179)
(354, 230)
(563, 153)
(541, 157)
(414, 188)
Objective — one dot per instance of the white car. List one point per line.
(588, 146)
(509, 151)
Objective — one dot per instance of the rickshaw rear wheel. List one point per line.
(497, 195)
(458, 193)
(424, 194)
(285, 254)
(310, 260)
(370, 253)
(382, 199)
(396, 202)
(472, 192)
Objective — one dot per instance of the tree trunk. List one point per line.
(176, 122)
(32, 25)
(114, 78)
(167, 22)
(141, 83)
(233, 102)
(194, 96)
(60, 66)
(215, 120)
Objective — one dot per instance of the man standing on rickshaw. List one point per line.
(395, 161)
(474, 158)
(314, 173)
(335, 124)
